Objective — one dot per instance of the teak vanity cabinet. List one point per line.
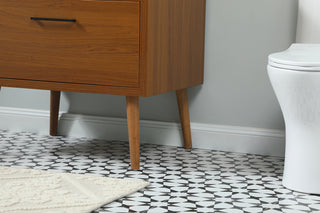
(134, 48)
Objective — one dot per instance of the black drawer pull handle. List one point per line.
(52, 19)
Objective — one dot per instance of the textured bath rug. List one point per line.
(27, 190)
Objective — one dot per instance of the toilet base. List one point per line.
(302, 160)
(298, 93)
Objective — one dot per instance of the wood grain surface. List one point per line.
(101, 47)
(54, 111)
(133, 129)
(182, 99)
(120, 47)
(174, 35)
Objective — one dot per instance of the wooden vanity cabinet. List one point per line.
(134, 48)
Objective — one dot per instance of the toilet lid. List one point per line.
(305, 57)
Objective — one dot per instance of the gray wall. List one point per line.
(240, 35)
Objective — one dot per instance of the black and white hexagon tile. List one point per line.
(181, 180)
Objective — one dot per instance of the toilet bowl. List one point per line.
(295, 77)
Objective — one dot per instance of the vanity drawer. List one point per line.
(88, 42)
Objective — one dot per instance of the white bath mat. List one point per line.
(27, 190)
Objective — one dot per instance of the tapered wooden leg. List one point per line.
(133, 129)
(182, 98)
(54, 111)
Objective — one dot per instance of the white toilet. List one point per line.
(295, 77)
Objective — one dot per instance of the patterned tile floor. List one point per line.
(181, 180)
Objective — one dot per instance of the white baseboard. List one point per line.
(206, 136)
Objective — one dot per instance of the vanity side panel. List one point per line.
(174, 45)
